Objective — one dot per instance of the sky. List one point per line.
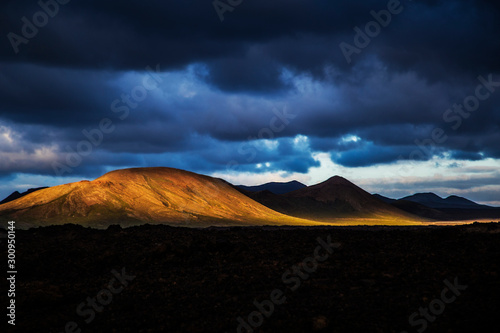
(398, 97)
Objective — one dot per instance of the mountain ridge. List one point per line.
(274, 187)
(433, 200)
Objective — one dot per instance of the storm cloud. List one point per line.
(263, 91)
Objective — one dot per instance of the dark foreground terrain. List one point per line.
(193, 280)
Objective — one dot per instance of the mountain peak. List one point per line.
(346, 199)
(140, 171)
(430, 194)
(423, 196)
(331, 185)
(337, 180)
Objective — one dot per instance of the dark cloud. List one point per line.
(461, 155)
(224, 86)
(433, 38)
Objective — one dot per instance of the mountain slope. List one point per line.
(274, 187)
(134, 196)
(332, 199)
(423, 211)
(384, 199)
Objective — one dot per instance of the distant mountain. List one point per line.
(16, 195)
(332, 199)
(452, 208)
(144, 195)
(434, 201)
(274, 187)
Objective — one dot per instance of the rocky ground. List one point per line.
(165, 279)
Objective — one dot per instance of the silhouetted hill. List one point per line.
(16, 195)
(453, 208)
(334, 198)
(274, 187)
(453, 202)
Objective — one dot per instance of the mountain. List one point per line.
(274, 187)
(16, 195)
(330, 200)
(452, 208)
(434, 201)
(143, 195)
